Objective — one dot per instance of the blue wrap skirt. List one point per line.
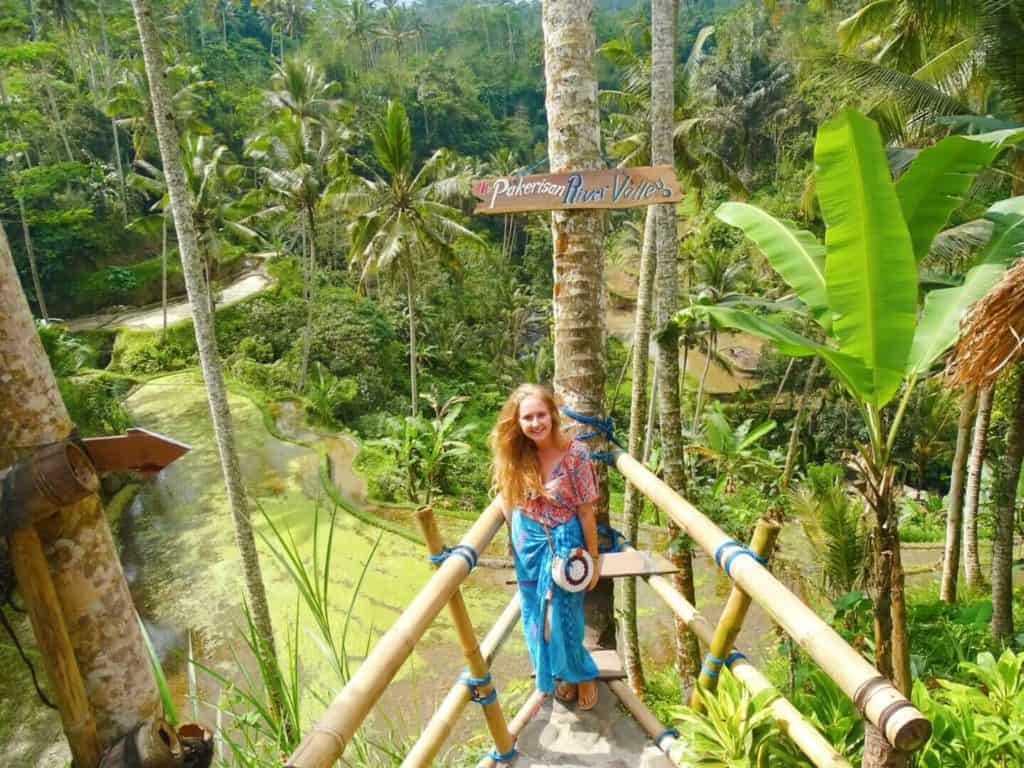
(562, 655)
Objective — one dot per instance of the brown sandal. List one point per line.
(562, 696)
(587, 707)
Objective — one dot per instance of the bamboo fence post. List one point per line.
(475, 662)
(801, 732)
(731, 620)
(40, 598)
(664, 738)
(877, 699)
(443, 722)
(525, 714)
(326, 741)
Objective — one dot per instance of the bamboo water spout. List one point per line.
(326, 741)
(884, 706)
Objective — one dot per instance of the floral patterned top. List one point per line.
(572, 483)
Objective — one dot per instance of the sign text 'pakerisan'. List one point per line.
(606, 188)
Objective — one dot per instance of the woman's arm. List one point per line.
(588, 521)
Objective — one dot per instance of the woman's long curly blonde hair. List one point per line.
(515, 471)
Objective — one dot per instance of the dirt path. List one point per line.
(244, 286)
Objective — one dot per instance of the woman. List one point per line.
(548, 489)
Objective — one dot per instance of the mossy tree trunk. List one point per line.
(954, 519)
(82, 557)
(209, 358)
(663, 43)
(975, 465)
(574, 143)
(1005, 508)
(634, 502)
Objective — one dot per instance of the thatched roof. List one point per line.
(992, 335)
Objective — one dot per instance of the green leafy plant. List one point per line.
(862, 290)
(737, 731)
(732, 450)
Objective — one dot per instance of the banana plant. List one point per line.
(862, 287)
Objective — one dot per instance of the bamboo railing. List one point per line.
(876, 698)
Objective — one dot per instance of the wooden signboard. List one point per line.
(580, 190)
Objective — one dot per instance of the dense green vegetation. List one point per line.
(332, 145)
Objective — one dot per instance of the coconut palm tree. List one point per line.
(972, 499)
(574, 142)
(663, 44)
(206, 340)
(404, 220)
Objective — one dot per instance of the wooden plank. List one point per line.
(609, 665)
(634, 563)
(578, 190)
(137, 448)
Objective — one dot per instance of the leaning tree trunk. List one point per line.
(975, 465)
(634, 502)
(1005, 507)
(663, 41)
(30, 252)
(574, 143)
(951, 548)
(309, 249)
(410, 296)
(82, 557)
(206, 340)
(794, 435)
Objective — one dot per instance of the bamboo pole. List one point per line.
(880, 702)
(800, 731)
(58, 655)
(443, 722)
(731, 620)
(326, 742)
(525, 714)
(475, 662)
(663, 739)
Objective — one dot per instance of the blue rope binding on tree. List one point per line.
(464, 551)
(738, 550)
(664, 735)
(733, 657)
(711, 666)
(604, 427)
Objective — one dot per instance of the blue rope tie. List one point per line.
(664, 735)
(604, 426)
(738, 550)
(464, 551)
(733, 657)
(608, 457)
(505, 757)
(616, 538)
(474, 684)
(711, 665)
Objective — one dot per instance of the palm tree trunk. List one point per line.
(634, 502)
(1005, 507)
(163, 275)
(699, 406)
(794, 435)
(663, 30)
(206, 341)
(58, 121)
(410, 295)
(972, 563)
(30, 252)
(120, 170)
(309, 273)
(574, 142)
(951, 549)
(94, 598)
(782, 386)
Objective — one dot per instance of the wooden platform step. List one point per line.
(615, 565)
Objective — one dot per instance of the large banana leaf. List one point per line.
(870, 272)
(939, 325)
(794, 253)
(849, 370)
(936, 182)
